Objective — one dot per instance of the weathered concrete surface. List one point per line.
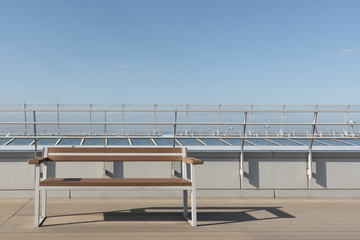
(162, 219)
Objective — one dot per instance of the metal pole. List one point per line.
(35, 143)
(186, 119)
(250, 115)
(175, 119)
(90, 118)
(58, 117)
(241, 169)
(25, 125)
(105, 126)
(218, 120)
(172, 163)
(122, 119)
(309, 168)
(282, 120)
(345, 131)
(154, 129)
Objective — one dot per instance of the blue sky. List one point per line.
(229, 52)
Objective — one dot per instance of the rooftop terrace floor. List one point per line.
(162, 219)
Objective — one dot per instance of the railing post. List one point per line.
(186, 119)
(175, 120)
(282, 121)
(90, 118)
(218, 120)
(241, 169)
(25, 125)
(58, 117)
(122, 119)
(174, 143)
(105, 126)
(250, 115)
(35, 143)
(154, 128)
(309, 167)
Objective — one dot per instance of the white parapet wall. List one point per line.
(267, 174)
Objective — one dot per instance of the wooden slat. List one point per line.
(113, 150)
(90, 158)
(38, 160)
(193, 160)
(115, 182)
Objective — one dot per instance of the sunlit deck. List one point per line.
(162, 219)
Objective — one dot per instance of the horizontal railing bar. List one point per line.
(183, 110)
(172, 123)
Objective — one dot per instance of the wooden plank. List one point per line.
(113, 150)
(115, 158)
(115, 182)
(193, 160)
(38, 160)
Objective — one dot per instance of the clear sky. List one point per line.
(180, 51)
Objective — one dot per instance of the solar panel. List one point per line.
(285, 142)
(261, 142)
(213, 142)
(142, 141)
(70, 141)
(165, 141)
(21, 141)
(189, 142)
(118, 141)
(351, 141)
(332, 142)
(307, 142)
(4, 140)
(47, 141)
(236, 141)
(94, 141)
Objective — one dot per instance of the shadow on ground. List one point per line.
(206, 215)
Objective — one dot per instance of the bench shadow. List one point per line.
(206, 215)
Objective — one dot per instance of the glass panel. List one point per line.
(319, 143)
(4, 140)
(285, 142)
(213, 142)
(332, 142)
(189, 142)
(303, 141)
(47, 141)
(141, 141)
(351, 141)
(165, 141)
(261, 142)
(236, 141)
(21, 141)
(307, 142)
(94, 141)
(118, 141)
(70, 141)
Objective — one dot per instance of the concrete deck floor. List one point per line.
(162, 219)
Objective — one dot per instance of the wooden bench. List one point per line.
(102, 154)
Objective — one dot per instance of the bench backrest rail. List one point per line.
(115, 154)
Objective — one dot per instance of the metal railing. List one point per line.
(245, 121)
(240, 120)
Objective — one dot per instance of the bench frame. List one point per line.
(41, 174)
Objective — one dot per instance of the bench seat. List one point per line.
(115, 182)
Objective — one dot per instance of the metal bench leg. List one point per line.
(185, 207)
(193, 197)
(44, 203)
(37, 208)
(193, 208)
